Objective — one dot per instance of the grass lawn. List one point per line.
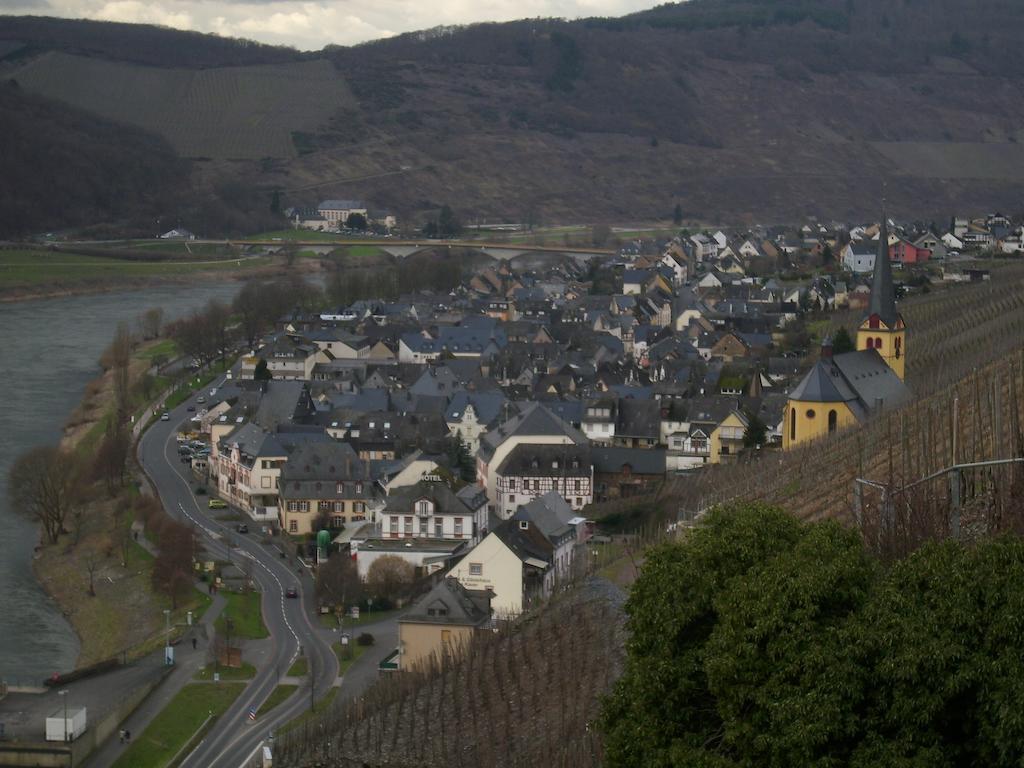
(307, 235)
(166, 348)
(330, 621)
(278, 695)
(319, 707)
(362, 250)
(245, 613)
(178, 725)
(345, 663)
(33, 268)
(245, 672)
(299, 668)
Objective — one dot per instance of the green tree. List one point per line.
(842, 342)
(356, 221)
(460, 459)
(275, 202)
(761, 641)
(756, 433)
(677, 215)
(262, 373)
(448, 224)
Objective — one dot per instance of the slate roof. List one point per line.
(487, 405)
(340, 205)
(551, 514)
(883, 293)
(642, 461)
(450, 603)
(533, 420)
(253, 441)
(446, 501)
(861, 379)
(538, 460)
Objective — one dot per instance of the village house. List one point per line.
(430, 509)
(325, 484)
(530, 470)
(440, 625)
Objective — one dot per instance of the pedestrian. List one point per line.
(120, 735)
(194, 643)
(127, 737)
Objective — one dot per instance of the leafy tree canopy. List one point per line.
(762, 641)
(842, 342)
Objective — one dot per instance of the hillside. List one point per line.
(740, 110)
(64, 167)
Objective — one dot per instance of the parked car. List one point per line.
(200, 399)
(291, 592)
(217, 504)
(165, 416)
(190, 408)
(242, 528)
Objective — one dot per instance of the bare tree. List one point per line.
(150, 322)
(218, 319)
(338, 582)
(120, 359)
(389, 576)
(92, 563)
(43, 484)
(172, 569)
(112, 457)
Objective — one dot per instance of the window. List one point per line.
(579, 484)
(792, 424)
(897, 346)
(394, 525)
(358, 507)
(359, 488)
(878, 342)
(423, 507)
(438, 530)
(408, 526)
(337, 521)
(832, 421)
(476, 569)
(446, 637)
(293, 506)
(339, 488)
(458, 526)
(293, 526)
(810, 413)
(424, 526)
(871, 343)
(579, 502)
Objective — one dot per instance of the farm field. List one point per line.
(29, 269)
(223, 113)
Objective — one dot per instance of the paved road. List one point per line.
(234, 737)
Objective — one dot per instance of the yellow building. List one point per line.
(842, 390)
(727, 439)
(883, 329)
(441, 624)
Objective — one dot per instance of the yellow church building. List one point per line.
(842, 390)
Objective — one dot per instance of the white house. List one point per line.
(534, 425)
(512, 561)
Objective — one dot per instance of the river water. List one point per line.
(49, 350)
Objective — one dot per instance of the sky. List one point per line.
(312, 24)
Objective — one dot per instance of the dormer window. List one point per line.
(524, 525)
(359, 487)
(554, 464)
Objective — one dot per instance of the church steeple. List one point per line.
(883, 329)
(883, 294)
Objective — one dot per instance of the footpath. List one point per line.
(187, 662)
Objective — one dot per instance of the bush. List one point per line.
(365, 639)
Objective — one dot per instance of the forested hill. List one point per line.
(740, 110)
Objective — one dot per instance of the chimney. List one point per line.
(826, 348)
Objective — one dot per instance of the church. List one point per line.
(842, 390)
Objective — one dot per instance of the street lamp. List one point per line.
(167, 642)
(64, 695)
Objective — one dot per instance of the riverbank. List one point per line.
(98, 574)
(31, 273)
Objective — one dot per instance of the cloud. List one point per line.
(312, 24)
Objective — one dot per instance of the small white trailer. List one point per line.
(74, 726)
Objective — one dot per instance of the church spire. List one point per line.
(883, 294)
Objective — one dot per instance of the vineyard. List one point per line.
(964, 345)
(521, 696)
(223, 113)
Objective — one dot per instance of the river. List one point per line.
(49, 350)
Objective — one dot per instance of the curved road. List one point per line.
(235, 738)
